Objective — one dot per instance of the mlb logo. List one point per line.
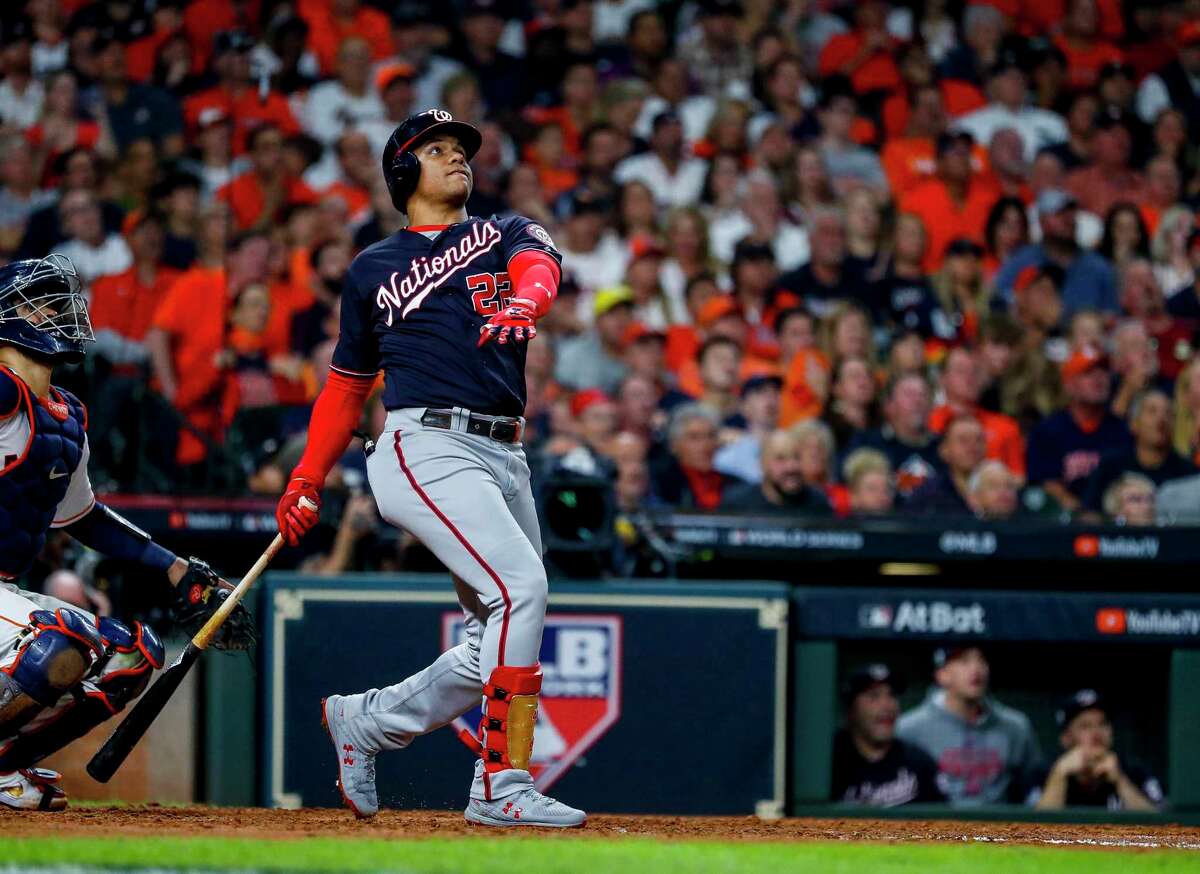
(581, 689)
(875, 616)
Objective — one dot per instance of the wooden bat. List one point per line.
(115, 750)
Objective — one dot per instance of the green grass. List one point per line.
(560, 855)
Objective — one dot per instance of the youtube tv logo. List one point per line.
(1110, 620)
(1087, 546)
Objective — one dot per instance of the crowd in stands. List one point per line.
(821, 257)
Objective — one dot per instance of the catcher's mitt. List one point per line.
(199, 595)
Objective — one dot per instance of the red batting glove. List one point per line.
(517, 320)
(298, 509)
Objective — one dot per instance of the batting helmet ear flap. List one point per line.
(402, 178)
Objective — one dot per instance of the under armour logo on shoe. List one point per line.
(515, 813)
(349, 748)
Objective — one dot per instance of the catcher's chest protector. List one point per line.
(34, 483)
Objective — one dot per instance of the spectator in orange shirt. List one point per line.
(243, 360)
(962, 385)
(805, 387)
(804, 365)
(1080, 41)
(683, 340)
(204, 20)
(556, 169)
(123, 304)
(141, 53)
(189, 330)
(720, 318)
(258, 195)
(579, 110)
(317, 323)
(909, 159)
(916, 69)
(955, 203)
(1043, 16)
(358, 172)
(61, 128)
(236, 94)
(865, 53)
(332, 21)
(1110, 178)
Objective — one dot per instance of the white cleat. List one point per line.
(527, 807)
(356, 768)
(32, 789)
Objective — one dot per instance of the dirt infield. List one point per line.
(293, 824)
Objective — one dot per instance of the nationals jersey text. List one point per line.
(413, 305)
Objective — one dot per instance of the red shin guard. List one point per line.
(509, 715)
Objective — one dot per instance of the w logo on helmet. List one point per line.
(441, 115)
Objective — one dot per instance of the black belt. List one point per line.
(503, 429)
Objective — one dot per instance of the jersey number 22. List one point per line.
(490, 292)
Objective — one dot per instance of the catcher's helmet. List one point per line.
(401, 169)
(42, 309)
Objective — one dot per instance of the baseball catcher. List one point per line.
(64, 671)
(444, 308)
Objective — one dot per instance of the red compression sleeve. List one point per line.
(335, 415)
(535, 278)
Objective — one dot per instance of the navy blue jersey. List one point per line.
(413, 306)
(1060, 450)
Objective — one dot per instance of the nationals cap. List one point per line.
(869, 676)
(1084, 699)
(415, 129)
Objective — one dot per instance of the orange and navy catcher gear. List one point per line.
(401, 169)
(121, 657)
(42, 309)
(59, 649)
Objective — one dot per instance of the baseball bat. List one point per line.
(126, 735)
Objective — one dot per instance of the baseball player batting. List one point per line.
(444, 307)
(62, 670)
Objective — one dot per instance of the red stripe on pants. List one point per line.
(412, 480)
